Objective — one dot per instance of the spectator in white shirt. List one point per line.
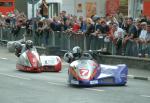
(118, 36)
(143, 33)
(142, 39)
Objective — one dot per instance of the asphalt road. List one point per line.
(22, 87)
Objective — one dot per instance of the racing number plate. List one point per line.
(94, 82)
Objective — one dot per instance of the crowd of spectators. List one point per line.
(120, 30)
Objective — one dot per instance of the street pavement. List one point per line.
(50, 87)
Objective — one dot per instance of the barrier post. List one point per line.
(69, 48)
(68, 35)
(1, 31)
(85, 48)
(53, 39)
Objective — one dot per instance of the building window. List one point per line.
(6, 4)
(54, 9)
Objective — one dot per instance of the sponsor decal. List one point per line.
(74, 82)
(94, 82)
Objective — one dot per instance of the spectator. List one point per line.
(66, 25)
(138, 26)
(142, 38)
(118, 36)
(90, 29)
(56, 25)
(100, 44)
(125, 26)
(82, 24)
(130, 36)
(119, 16)
(44, 9)
(143, 33)
(147, 42)
(103, 27)
(63, 16)
(39, 32)
(76, 26)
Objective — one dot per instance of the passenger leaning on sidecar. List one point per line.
(19, 48)
(77, 54)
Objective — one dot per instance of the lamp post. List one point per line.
(33, 2)
(33, 21)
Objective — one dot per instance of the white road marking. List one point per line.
(59, 84)
(98, 90)
(146, 96)
(148, 78)
(4, 58)
(91, 89)
(15, 76)
(130, 76)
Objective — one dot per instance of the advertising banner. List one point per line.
(90, 9)
(146, 10)
(112, 6)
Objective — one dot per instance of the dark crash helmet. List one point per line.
(77, 52)
(29, 44)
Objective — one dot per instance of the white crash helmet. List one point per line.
(77, 50)
(29, 44)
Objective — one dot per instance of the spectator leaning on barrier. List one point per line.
(66, 25)
(100, 44)
(138, 26)
(104, 29)
(90, 26)
(76, 25)
(142, 38)
(118, 36)
(89, 30)
(124, 25)
(143, 33)
(144, 41)
(147, 41)
(83, 26)
(111, 32)
(130, 36)
(56, 25)
(63, 16)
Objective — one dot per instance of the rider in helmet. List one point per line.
(20, 48)
(74, 55)
(28, 46)
(77, 52)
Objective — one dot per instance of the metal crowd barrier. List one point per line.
(67, 40)
(7, 34)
